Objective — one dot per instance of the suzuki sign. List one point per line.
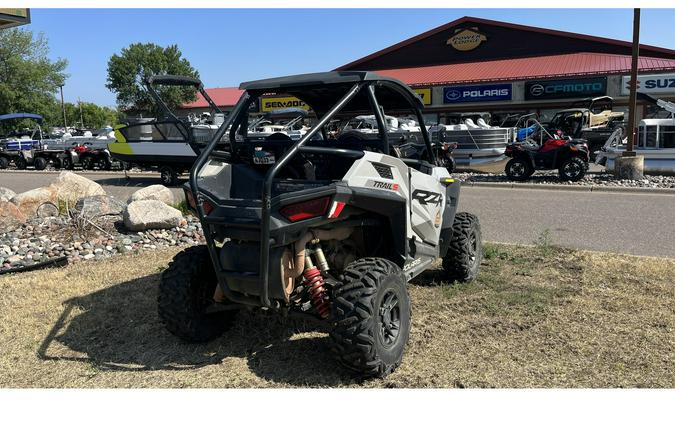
(477, 93)
(650, 84)
(565, 88)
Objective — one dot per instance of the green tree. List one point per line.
(127, 72)
(93, 116)
(28, 78)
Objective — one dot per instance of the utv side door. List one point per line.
(426, 206)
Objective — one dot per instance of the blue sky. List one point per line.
(231, 46)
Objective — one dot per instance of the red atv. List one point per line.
(569, 156)
(87, 156)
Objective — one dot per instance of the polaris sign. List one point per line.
(477, 93)
(565, 88)
(650, 84)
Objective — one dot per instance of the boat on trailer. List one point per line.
(479, 145)
(655, 142)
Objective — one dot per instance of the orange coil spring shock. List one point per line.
(314, 282)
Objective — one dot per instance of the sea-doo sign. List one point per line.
(477, 93)
(565, 88)
(466, 39)
(278, 103)
(650, 84)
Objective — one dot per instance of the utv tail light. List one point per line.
(207, 207)
(305, 210)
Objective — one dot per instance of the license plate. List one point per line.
(269, 159)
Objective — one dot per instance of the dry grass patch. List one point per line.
(536, 317)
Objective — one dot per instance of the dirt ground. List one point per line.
(536, 317)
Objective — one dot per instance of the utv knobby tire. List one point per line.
(360, 343)
(40, 163)
(87, 162)
(577, 174)
(4, 162)
(21, 163)
(465, 251)
(518, 169)
(185, 291)
(168, 176)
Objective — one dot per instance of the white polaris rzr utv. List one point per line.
(333, 228)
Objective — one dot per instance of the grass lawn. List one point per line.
(536, 317)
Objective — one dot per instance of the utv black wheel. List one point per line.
(21, 163)
(573, 169)
(4, 162)
(371, 313)
(103, 163)
(518, 169)
(87, 163)
(66, 163)
(168, 176)
(448, 163)
(185, 292)
(465, 252)
(40, 163)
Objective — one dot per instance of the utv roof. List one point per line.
(321, 90)
(14, 116)
(314, 79)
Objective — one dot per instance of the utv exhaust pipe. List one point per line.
(300, 246)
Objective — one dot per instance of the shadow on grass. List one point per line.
(117, 329)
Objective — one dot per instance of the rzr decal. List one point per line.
(425, 197)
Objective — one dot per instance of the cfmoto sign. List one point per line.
(565, 88)
(477, 93)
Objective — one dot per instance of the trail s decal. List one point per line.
(382, 185)
(425, 197)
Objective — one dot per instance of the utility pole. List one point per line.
(81, 118)
(63, 109)
(630, 165)
(632, 102)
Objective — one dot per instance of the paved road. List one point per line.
(633, 223)
(639, 224)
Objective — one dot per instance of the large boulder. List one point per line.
(70, 187)
(11, 216)
(93, 207)
(151, 214)
(6, 194)
(29, 201)
(158, 192)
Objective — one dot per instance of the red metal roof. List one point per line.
(223, 97)
(576, 64)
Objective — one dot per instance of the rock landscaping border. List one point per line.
(73, 218)
(591, 181)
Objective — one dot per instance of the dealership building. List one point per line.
(479, 65)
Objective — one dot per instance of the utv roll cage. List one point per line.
(327, 93)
